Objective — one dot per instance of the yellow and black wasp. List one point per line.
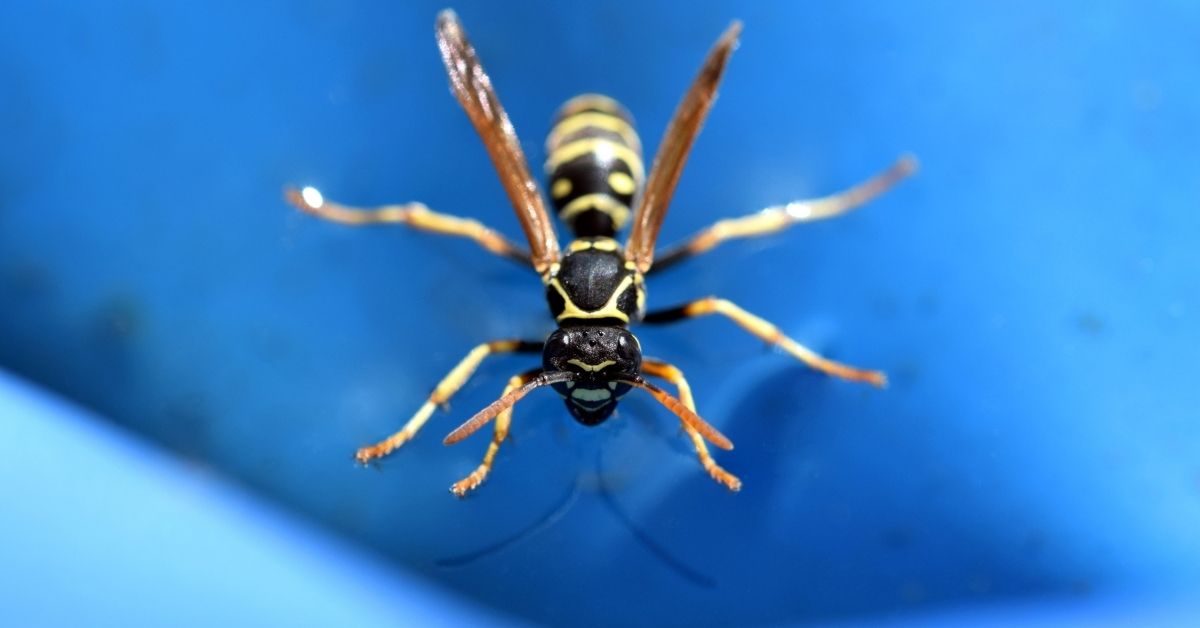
(595, 288)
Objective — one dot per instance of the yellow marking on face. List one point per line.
(585, 119)
(590, 367)
(603, 148)
(621, 183)
(561, 188)
(615, 209)
(608, 310)
(591, 394)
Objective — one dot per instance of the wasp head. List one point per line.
(599, 357)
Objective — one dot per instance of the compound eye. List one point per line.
(627, 348)
(556, 349)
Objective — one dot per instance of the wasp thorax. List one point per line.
(599, 357)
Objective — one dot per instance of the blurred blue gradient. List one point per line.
(1032, 292)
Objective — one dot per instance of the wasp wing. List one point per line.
(473, 88)
(673, 151)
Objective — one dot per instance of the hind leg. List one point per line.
(415, 215)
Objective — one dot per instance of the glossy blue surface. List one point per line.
(1033, 293)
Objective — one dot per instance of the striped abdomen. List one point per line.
(594, 164)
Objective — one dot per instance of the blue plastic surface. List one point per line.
(1033, 293)
(102, 530)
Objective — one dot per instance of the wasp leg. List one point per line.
(503, 420)
(768, 333)
(780, 217)
(673, 375)
(446, 388)
(415, 215)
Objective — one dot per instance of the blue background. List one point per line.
(1032, 292)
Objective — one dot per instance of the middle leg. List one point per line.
(768, 333)
(415, 215)
(503, 420)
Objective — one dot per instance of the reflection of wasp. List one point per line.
(595, 288)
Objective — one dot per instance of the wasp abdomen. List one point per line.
(595, 165)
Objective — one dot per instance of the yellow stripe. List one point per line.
(604, 244)
(598, 145)
(608, 310)
(603, 121)
(600, 244)
(589, 101)
(551, 272)
(615, 209)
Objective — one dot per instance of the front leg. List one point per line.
(768, 333)
(446, 388)
(503, 421)
(672, 374)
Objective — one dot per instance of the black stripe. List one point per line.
(588, 174)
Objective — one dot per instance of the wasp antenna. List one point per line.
(484, 416)
(676, 406)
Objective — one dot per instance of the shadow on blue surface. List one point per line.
(1032, 292)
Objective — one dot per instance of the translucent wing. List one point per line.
(673, 151)
(473, 89)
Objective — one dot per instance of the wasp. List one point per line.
(595, 288)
